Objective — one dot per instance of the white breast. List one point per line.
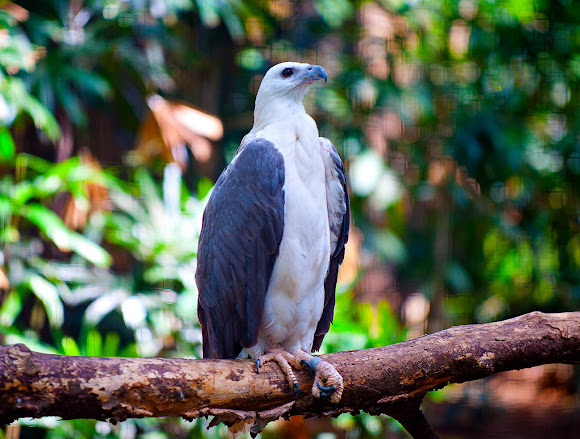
(295, 297)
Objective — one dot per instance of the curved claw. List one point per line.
(312, 363)
(258, 365)
(325, 391)
(297, 388)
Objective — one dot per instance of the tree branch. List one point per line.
(390, 380)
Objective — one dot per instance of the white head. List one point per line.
(286, 84)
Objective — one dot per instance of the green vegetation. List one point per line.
(458, 122)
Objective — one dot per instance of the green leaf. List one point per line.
(251, 59)
(90, 81)
(6, 208)
(111, 344)
(70, 347)
(334, 12)
(89, 250)
(94, 343)
(79, 194)
(50, 298)
(22, 192)
(16, 94)
(47, 185)
(64, 238)
(204, 187)
(130, 205)
(7, 147)
(9, 234)
(231, 20)
(161, 273)
(103, 305)
(208, 12)
(10, 309)
(49, 222)
(28, 161)
(43, 119)
(71, 103)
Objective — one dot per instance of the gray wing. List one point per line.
(339, 221)
(240, 238)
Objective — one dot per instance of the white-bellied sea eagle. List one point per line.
(273, 237)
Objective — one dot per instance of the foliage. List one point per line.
(17, 54)
(30, 228)
(100, 53)
(161, 233)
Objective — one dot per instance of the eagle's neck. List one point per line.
(281, 118)
(276, 110)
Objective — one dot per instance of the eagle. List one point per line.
(273, 236)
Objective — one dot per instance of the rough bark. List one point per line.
(391, 379)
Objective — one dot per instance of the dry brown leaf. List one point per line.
(171, 126)
(16, 11)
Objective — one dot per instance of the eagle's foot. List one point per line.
(327, 383)
(283, 359)
(325, 373)
(333, 384)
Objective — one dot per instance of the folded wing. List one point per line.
(241, 234)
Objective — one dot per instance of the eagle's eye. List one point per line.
(287, 72)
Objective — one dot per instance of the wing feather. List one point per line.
(339, 222)
(240, 237)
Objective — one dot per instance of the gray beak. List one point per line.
(314, 73)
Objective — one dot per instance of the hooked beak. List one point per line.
(314, 73)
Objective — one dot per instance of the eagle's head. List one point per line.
(288, 81)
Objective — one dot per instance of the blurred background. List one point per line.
(459, 125)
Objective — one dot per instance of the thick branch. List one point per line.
(391, 379)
